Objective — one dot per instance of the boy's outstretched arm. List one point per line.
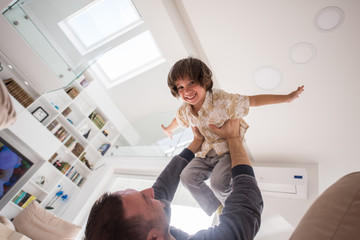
(266, 99)
(169, 129)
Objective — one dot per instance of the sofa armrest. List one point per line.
(335, 213)
(9, 234)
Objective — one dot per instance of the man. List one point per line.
(133, 215)
(7, 109)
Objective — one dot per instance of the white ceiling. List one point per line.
(237, 37)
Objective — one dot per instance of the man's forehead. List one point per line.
(124, 192)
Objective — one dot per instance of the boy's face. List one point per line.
(191, 92)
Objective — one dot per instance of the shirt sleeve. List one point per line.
(181, 116)
(241, 216)
(7, 110)
(166, 184)
(238, 104)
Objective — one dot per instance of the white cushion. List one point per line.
(39, 224)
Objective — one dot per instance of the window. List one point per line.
(99, 22)
(116, 28)
(129, 59)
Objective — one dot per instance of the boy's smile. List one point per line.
(191, 92)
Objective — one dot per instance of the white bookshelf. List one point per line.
(54, 145)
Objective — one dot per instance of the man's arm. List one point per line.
(241, 215)
(266, 99)
(168, 180)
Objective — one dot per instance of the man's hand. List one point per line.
(231, 132)
(230, 129)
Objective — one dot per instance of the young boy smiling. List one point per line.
(191, 80)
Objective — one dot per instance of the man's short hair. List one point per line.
(192, 68)
(107, 221)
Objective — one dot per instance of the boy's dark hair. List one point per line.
(194, 69)
(107, 221)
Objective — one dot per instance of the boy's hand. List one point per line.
(166, 131)
(295, 94)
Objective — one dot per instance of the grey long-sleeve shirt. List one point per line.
(241, 215)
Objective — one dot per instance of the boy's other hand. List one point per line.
(166, 131)
(295, 94)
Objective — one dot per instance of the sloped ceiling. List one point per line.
(238, 37)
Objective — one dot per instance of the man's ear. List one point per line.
(155, 234)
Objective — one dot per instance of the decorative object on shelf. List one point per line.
(86, 135)
(70, 121)
(83, 129)
(103, 148)
(58, 194)
(40, 114)
(105, 132)
(42, 180)
(57, 108)
(84, 83)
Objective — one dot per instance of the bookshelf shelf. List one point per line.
(80, 132)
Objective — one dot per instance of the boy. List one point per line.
(191, 80)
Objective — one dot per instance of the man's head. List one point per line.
(190, 68)
(128, 214)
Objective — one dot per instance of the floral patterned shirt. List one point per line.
(218, 107)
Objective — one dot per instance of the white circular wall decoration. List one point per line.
(328, 19)
(302, 52)
(267, 77)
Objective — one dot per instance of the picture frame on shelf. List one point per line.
(40, 114)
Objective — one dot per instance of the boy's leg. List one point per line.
(221, 181)
(193, 177)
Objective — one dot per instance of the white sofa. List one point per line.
(35, 223)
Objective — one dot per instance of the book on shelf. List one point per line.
(24, 199)
(73, 174)
(66, 112)
(77, 179)
(52, 125)
(72, 92)
(28, 201)
(51, 159)
(97, 119)
(78, 149)
(70, 171)
(69, 142)
(65, 166)
(81, 182)
(18, 197)
(18, 92)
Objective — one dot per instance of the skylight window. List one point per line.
(129, 59)
(99, 22)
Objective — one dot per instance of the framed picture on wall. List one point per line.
(40, 114)
(13, 166)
